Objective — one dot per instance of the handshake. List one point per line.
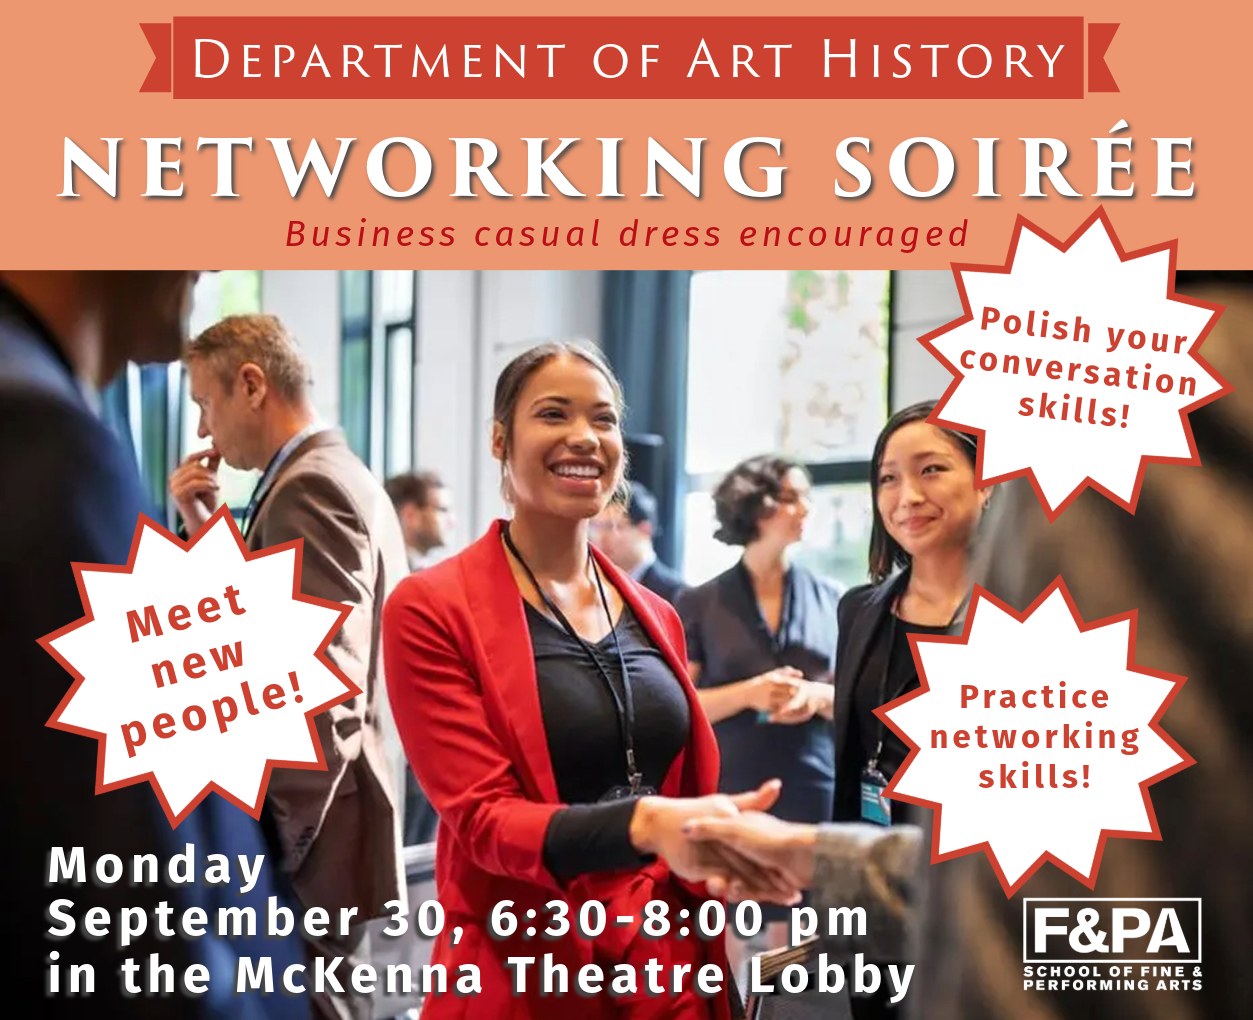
(730, 843)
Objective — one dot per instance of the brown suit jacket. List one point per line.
(338, 829)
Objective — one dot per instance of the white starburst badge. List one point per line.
(199, 666)
(1034, 736)
(1076, 364)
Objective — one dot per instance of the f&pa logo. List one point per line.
(1087, 929)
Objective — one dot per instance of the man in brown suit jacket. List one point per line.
(337, 831)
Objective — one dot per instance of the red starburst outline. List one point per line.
(145, 522)
(981, 595)
(959, 375)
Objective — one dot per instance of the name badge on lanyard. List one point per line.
(875, 807)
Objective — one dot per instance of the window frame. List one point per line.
(822, 473)
(377, 333)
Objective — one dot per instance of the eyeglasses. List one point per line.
(611, 526)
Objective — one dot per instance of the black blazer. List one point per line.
(663, 581)
(863, 648)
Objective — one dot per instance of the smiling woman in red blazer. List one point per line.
(543, 701)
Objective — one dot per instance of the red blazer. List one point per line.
(461, 676)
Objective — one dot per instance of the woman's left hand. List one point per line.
(811, 699)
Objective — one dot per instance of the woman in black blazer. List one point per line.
(926, 511)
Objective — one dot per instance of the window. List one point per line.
(397, 315)
(794, 362)
(149, 405)
(356, 315)
(377, 361)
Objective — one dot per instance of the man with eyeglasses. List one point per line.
(625, 533)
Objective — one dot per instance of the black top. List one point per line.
(875, 666)
(728, 637)
(585, 741)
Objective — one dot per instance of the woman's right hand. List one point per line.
(769, 692)
(659, 826)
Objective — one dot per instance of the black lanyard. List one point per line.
(623, 704)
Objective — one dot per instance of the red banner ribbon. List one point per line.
(159, 75)
(628, 58)
(1100, 78)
